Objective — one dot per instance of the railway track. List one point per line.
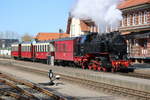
(131, 74)
(138, 95)
(134, 74)
(21, 89)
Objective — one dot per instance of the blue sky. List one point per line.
(33, 16)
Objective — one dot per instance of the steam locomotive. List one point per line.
(105, 52)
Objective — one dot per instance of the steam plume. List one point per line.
(102, 12)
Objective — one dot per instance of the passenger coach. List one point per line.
(16, 50)
(43, 50)
(27, 50)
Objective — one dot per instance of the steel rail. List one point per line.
(97, 85)
(134, 74)
(14, 95)
(18, 89)
(110, 88)
(33, 86)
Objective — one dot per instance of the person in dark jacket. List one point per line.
(51, 77)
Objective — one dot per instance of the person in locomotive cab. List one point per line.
(51, 77)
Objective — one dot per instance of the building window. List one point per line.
(140, 17)
(134, 19)
(128, 20)
(124, 20)
(145, 17)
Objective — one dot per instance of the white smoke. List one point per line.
(103, 12)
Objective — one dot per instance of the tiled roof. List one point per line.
(131, 3)
(86, 25)
(50, 36)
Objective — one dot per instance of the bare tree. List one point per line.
(26, 37)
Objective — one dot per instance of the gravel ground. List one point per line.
(86, 73)
(68, 90)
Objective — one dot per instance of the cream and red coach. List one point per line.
(16, 50)
(27, 50)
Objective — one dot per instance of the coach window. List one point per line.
(24, 48)
(47, 48)
(43, 48)
(37, 48)
(40, 48)
(28, 48)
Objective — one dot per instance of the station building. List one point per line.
(136, 27)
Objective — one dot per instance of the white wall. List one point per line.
(5, 52)
(75, 29)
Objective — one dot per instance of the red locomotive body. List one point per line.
(64, 49)
(16, 50)
(27, 51)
